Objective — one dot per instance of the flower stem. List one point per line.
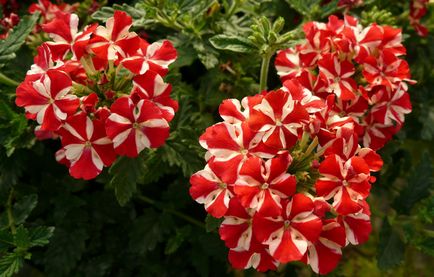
(171, 211)
(264, 71)
(8, 81)
(11, 220)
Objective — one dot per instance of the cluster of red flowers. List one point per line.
(418, 9)
(100, 90)
(361, 67)
(50, 11)
(285, 168)
(10, 19)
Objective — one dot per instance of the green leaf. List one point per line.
(6, 240)
(139, 16)
(65, 249)
(10, 264)
(232, 43)
(303, 7)
(22, 238)
(420, 181)
(391, 248)
(24, 207)
(427, 246)
(40, 235)
(175, 241)
(212, 223)
(146, 232)
(16, 38)
(126, 174)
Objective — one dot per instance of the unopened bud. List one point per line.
(278, 24)
(272, 37)
(266, 25)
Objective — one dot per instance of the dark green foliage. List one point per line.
(391, 248)
(419, 182)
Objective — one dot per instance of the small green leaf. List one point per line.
(391, 247)
(40, 235)
(22, 238)
(10, 264)
(16, 38)
(232, 43)
(24, 207)
(126, 174)
(212, 223)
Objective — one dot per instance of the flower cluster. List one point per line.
(50, 11)
(286, 169)
(288, 177)
(418, 9)
(360, 67)
(101, 90)
(7, 23)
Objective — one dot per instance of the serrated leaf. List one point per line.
(40, 235)
(391, 248)
(16, 38)
(232, 43)
(22, 238)
(126, 174)
(419, 182)
(212, 223)
(10, 264)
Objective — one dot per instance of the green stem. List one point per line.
(172, 211)
(233, 8)
(11, 220)
(8, 81)
(264, 71)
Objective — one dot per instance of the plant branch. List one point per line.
(171, 211)
(264, 71)
(8, 81)
(11, 220)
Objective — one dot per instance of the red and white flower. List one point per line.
(288, 235)
(337, 75)
(261, 185)
(135, 126)
(156, 57)
(151, 86)
(279, 118)
(86, 146)
(257, 256)
(114, 41)
(346, 181)
(357, 226)
(210, 187)
(325, 254)
(48, 100)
